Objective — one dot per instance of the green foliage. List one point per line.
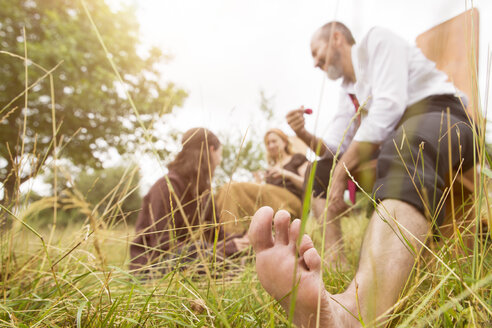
(266, 106)
(244, 154)
(111, 194)
(239, 159)
(112, 190)
(92, 112)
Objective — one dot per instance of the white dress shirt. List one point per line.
(343, 125)
(391, 75)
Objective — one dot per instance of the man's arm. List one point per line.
(295, 118)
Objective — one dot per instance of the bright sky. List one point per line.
(225, 51)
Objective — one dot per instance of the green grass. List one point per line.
(87, 288)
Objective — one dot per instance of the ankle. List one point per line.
(307, 316)
(344, 307)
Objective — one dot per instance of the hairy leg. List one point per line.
(334, 249)
(391, 245)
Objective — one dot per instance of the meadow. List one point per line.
(77, 275)
(64, 260)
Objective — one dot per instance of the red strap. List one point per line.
(356, 105)
(354, 101)
(351, 188)
(350, 184)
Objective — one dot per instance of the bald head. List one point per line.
(331, 48)
(326, 31)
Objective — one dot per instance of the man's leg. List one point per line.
(334, 250)
(384, 267)
(391, 244)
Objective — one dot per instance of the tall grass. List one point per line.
(78, 276)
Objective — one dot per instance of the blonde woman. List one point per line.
(279, 186)
(286, 169)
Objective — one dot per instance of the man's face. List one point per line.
(327, 58)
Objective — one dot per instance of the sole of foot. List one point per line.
(282, 264)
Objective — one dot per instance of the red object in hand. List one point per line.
(308, 111)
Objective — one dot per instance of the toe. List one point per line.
(260, 229)
(295, 227)
(306, 243)
(309, 254)
(281, 223)
(312, 259)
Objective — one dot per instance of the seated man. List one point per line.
(380, 117)
(419, 127)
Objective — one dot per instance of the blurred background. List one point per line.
(235, 67)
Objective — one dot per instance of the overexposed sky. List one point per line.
(225, 51)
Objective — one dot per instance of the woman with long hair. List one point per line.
(286, 168)
(177, 209)
(280, 186)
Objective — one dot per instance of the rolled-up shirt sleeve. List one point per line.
(387, 74)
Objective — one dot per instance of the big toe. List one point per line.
(260, 229)
(281, 222)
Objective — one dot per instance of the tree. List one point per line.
(110, 195)
(238, 163)
(92, 111)
(113, 190)
(244, 154)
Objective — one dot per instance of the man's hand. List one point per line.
(336, 204)
(357, 153)
(295, 119)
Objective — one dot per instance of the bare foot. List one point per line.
(276, 261)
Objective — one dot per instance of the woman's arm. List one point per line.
(296, 178)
